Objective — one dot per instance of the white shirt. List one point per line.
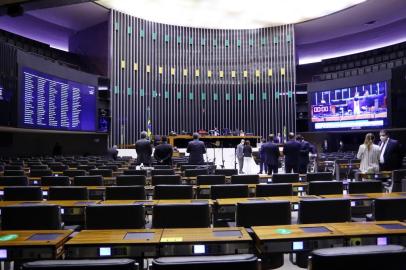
(383, 148)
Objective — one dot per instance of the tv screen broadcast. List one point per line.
(49, 102)
(359, 107)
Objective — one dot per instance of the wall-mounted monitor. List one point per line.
(350, 108)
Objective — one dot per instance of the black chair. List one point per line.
(22, 194)
(13, 173)
(262, 213)
(166, 180)
(102, 172)
(59, 168)
(325, 188)
(125, 193)
(193, 215)
(270, 190)
(162, 192)
(245, 179)
(162, 172)
(319, 176)
(68, 193)
(55, 181)
(226, 172)
(38, 167)
(210, 180)
(105, 264)
(195, 172)
(398, 176)
(74, 173)
(131, 180)
(31, 217)
(13, 167)
(187, 166)
(366, 257)
(40, 173)
(88, 180)
(370, 186)
(14, 181)
(235, 262)
(112, 167)
(389, 209)
(99, 217)
(135, 172)
(324, 211)
(86, 167)
(162, 167)
(228, 191)
(278, 178)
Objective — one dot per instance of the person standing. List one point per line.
(271, 155)
(196, 149)
(249, 163)
(391, 154)
(304, 154)
(291, 150)
(112, 153)
(369, 153)
(262, 164)
(277, 138)
(143, 148)
(163, 152)
(240, 156)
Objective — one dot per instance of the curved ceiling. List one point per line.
(229, 14)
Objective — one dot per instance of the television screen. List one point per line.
(49, 102)
(359, 107)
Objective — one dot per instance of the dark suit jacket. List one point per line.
(144, 151)
(163, 153)
(393, 155)
(271, 153)
(304, 152)
(291, 150)
(112, 153)
(196, 149)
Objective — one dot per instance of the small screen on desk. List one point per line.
(297, 245)
(353, 203)
(44, 193)
(199, 249)
(105, 251)
(44, 236)
(235, 233)
(393, 226)
(3, 253)
(319, 229)
(295, 206)
(382, 241)
(139, 235)
(1, 192)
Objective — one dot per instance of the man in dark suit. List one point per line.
(391, 154)
(112, 152)
(291, 150)
(144, 150)
(304, 154)
(196, 149)
(271, 155)
(163, 152)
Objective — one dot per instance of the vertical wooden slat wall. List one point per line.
(163, 72)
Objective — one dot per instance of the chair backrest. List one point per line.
(211, 179)
(195, 172)
(102, 172)
(160, 167)
(88, 180)
(226, 172)
(112, 167)
(319, 176)
(105, 264)
(389, 209)
(187, 166)
(228, 191)
(285, 178)
(13, 173)
(73, 173)
(135, 172)
(370, 186)
(245, 179)
(235, 262)
(31, 217)
(39, 173)
(21, 193)
(39, 167)
(68, 193)
(125, 193)
(325, 187)
(86, 167)
(58, 168)
(162, 192)
(162, 172)
(324, 211)
(131, 180)
(99, 217)
(270, 190)
(13, 181)
(13, 167)
(262, 213)
(166, 180)
(193, 215)
(55, 181)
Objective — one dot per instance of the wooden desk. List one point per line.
(89, 244)
(365, 196)
(208, 241)
(234, 140)
(291, 199)
(186, 201)
(143, 202)
(32, 245)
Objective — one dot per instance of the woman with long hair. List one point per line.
(368, 153)
(249, 163)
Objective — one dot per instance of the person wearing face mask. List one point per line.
(391, 155)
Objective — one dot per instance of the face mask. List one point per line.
(383, 138)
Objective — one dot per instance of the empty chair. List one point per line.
(228, 191)
(40, 173)
(38, 167)
(162, 172)
(162, 192)
(210, 180)
(22, 194)
(262, 213)
(131, 180)
(13, 167)
(99, 217)
(245, 179)
(125, 193)
(193, 215)
(135, 172)
(13, 181)
(105, 264)
(13, 173)
(88, 180)
(285, 178)
(74, 173)
(195, 172)
(58, 168)
(319, 176)
(270, 190)
(166, 180)
(226, 172)
(68, 193)
(102, 172)
(370, 186)
(160, 167)
(55, 181)
(325, 188)
(86, 167)
(112, 167)
(31, 217)
(324, 211)
(389, 209)
(187, 166)
(235, 262)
